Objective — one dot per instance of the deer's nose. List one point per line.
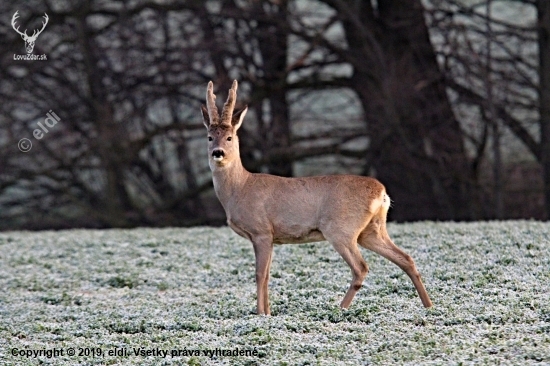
(218, 153)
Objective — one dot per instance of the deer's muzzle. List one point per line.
(218, 154)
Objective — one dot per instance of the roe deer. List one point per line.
(346, 210)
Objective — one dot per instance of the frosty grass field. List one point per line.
(193, 290)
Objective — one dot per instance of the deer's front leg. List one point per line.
(263, 248)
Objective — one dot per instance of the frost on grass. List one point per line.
(193, 289)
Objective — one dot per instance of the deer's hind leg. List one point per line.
(346, 246)
(376, 238)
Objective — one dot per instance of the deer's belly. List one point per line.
(297, 236)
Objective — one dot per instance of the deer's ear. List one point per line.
(238, 118)
(205, 116)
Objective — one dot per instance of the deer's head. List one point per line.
(29, 40)
(223, 143)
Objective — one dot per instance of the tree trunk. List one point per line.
(115, 204)
(272, 40)
(416, 143)
(543, 9)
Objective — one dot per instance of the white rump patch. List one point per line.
(383, 203)
(386, 202)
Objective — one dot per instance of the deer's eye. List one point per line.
(229, 138)
(210, 138)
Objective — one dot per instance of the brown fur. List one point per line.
(346, 210)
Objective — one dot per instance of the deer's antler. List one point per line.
(211, 103)
(229, 106)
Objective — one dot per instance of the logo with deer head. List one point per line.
(29, 40)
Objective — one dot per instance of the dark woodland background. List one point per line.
(446, 102)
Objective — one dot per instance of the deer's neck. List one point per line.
(229, 181)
